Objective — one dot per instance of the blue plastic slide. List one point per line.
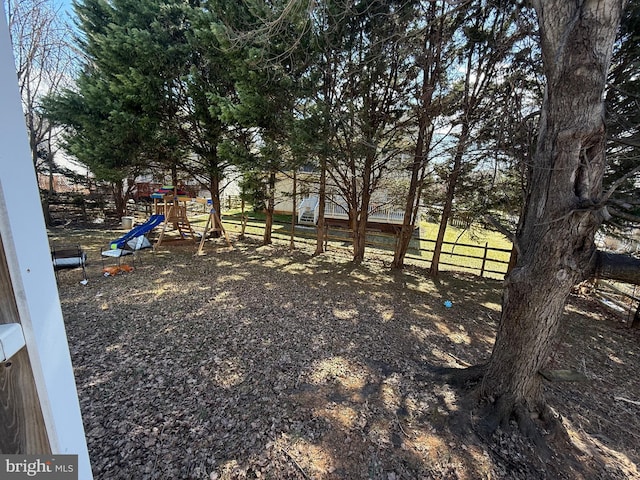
(143, 229)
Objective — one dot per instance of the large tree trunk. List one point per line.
(360, 217)
(268, 224)
(360, 210)
(402, 245)
(119, 198)
(215, 178)
(46, 200)
(555, 241)
(216, 204)
(47, 196)
(174, 175)
(214, 188)
(357, 239)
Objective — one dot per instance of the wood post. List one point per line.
(215, 222)
(22, 427)
(484, 258)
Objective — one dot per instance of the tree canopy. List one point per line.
(41, 40)
(366, 91)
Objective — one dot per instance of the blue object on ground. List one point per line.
(448, 303)
(143, 229)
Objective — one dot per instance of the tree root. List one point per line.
(531, 424)
(492, 417)
(539, 424)
(462, 377)
(501, 411)
(530, 430)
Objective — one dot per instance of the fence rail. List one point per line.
(622, 297)
(485, 260)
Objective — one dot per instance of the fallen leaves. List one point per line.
(261, 363)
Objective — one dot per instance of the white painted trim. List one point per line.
(27, 253)
(11, 340)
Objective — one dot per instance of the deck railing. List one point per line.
(339, 210)
(308, 204)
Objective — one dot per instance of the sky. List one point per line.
(67, 7)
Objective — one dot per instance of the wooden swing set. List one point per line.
(172, 203)
(213, 226)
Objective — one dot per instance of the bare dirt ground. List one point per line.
(264, 363)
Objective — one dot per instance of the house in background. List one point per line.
(386, 213)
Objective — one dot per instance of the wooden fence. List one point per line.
(484, 260)
(487, 261)
(624, 298)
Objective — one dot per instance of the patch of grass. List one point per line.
(461, 244)
(463, 249)
(236, 214)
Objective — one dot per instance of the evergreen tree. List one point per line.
(204, 89)
(490, 33)
(364, 79)
(434, 53)
(121, 116)
(267, 42)
(623, 126)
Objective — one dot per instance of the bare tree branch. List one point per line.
(615, 185)
(41, 45)
(623, 215)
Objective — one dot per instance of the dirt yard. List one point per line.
(261, 363)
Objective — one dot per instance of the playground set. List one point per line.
(170, 212)
(171, 203)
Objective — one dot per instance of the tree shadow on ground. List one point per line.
(264, 362)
